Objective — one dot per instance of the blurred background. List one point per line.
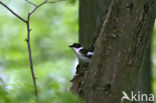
(54, 27)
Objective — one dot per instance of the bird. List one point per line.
(83, 54)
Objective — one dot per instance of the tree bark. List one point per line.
(121, 34)
(90, 19)
(144, 81)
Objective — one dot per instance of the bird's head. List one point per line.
(75, 45)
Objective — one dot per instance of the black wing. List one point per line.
(85, 53)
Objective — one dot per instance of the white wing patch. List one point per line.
(90, 53)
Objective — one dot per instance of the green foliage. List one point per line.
(54, 27)
(73, 1)
(3, 93)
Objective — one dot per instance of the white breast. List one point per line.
(80, 55)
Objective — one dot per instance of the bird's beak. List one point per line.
(70, 46)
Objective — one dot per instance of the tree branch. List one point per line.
(30, 55)
(30, 3)
(56, 1)
(29, 45)
(19, 17)
(37, 7)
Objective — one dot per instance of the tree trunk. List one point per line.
(144, 80)
(120, 31)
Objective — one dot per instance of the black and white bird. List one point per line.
(84, 55)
